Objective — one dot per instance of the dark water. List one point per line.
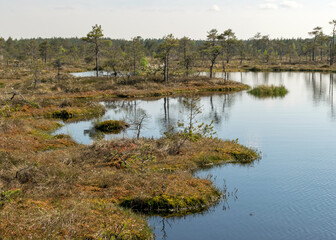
(291, 192)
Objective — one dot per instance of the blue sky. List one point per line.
(156, 18)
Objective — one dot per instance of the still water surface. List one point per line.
(90, 74)
(290, 193)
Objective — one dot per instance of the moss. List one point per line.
(62, 136)
(86, 219)
(167, 204)
(264, 91)
(157, 94)
(244, 155)
(111, 126)
(8, 196)
(62, 114)
(254, 69)
(77, 112)
(206, 160)
(325, 66)
(69, 173)
(123, 95)
(41, 134)
(2, 85)
(33, 104)
(167, 185)
(237, 153)
(229, 152)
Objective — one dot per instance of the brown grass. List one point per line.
(53, 188)
(68, 190)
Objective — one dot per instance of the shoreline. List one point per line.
(275, 68)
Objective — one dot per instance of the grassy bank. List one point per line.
(253, 66)
(101, 88)
(90, 88)
(288, 68)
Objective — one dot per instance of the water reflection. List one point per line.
(221, 112)
(163, 113)
(94, 134)
(320, 85)
(158, 117)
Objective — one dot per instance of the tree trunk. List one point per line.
(332, 50)
(134, 65)
(314, 52)
(165, 108)
(114, 71)
(164, 68)
(211, 68)
(167, 68)
(224, 72)
(191, 117)
(168, 111)
(97, 66)
(330, 59)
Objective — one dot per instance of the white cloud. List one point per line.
(215, 8)
(290, 4)
(269, 5)
(274, 4)
(332, 4)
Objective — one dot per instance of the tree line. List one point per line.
(168, 54)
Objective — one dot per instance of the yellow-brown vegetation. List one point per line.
(53, 188)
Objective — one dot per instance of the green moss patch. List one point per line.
(168, 204)
(111, 126)
(8, 196)
(76, 112)
(226, 152)
(264, 91)
(62, 114)
(254, 69)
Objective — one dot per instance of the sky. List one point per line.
(124, 19)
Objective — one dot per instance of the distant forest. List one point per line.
(181, 56)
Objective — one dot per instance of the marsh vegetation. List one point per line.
(53, 187)
(45, 177)
(111, 126)
(264, 91)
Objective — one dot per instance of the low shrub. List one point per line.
(111, 126)
(62, 114)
